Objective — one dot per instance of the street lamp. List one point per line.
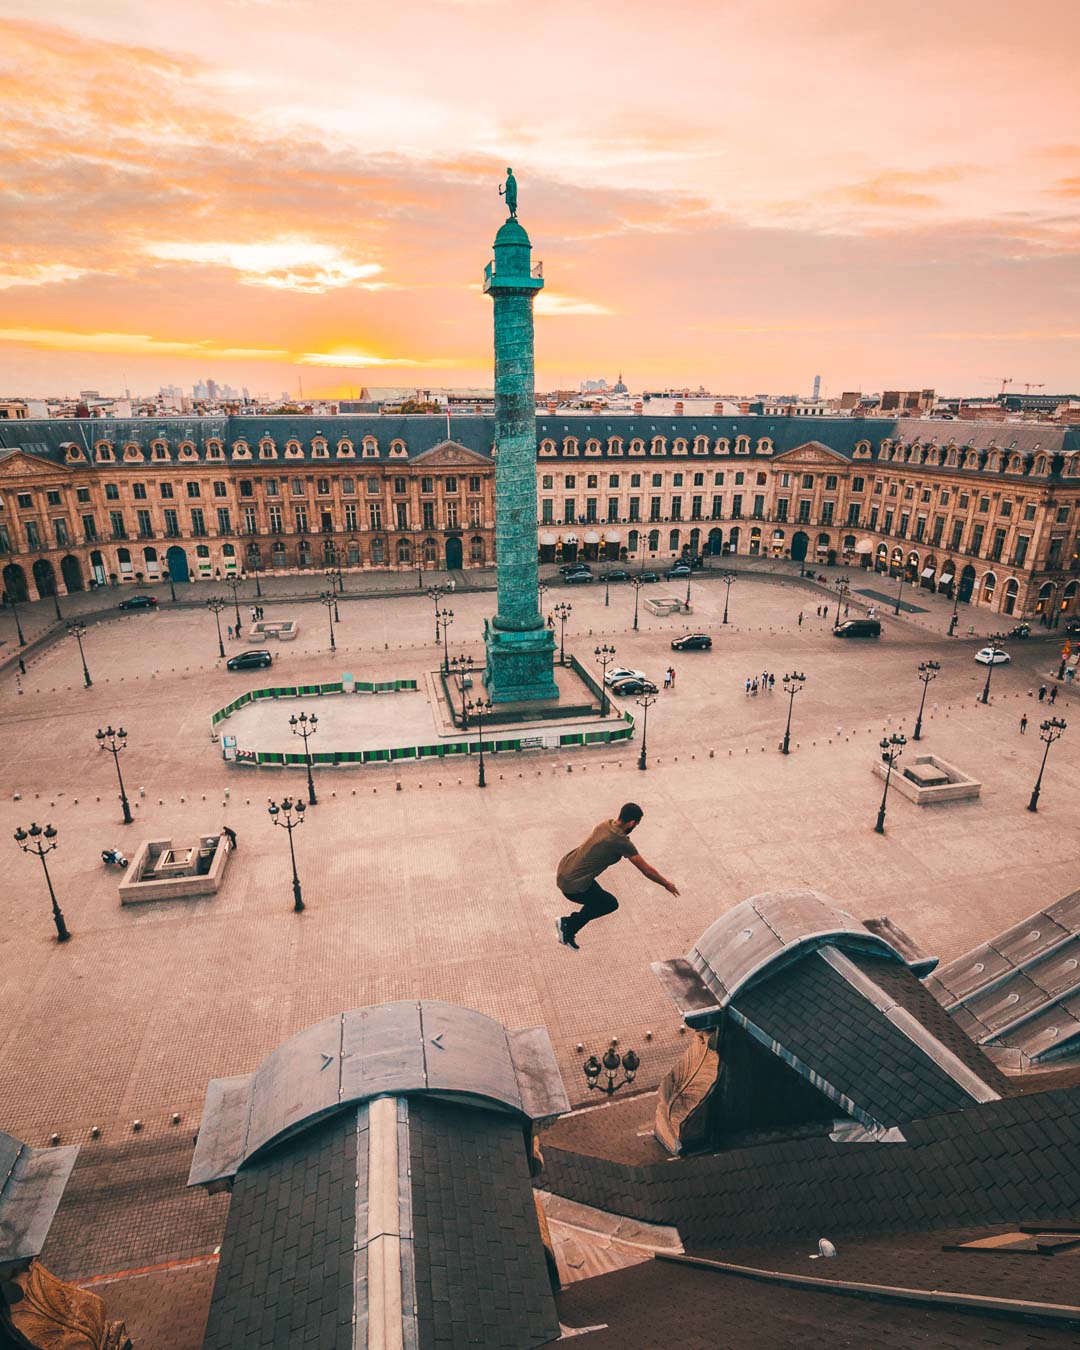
(993, 646)
(610, 1064)
(689, 578)
(479, 708)
(172, 588)
(114, 742)
(329, 599)
(607, 588)
(306, 726)
(793, 683)
(287, 822)
(332, 578)
(42, 841)
(1050, 731)
(604, 654)
(900, 588)
(459, 666)
(646, 702)
(563, 611)
(928, 670)
(234, 583)
(77, 631)
(56, 603)
(254, 565)
(727, 578)
(892, 747)
(637, 584)
(15, 610)
(215, 605)
(844, 585)
(444, 617)
(435, 593)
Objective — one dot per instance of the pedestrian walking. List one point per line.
(818, 611)
(1023, 725)
(671, 672)
(800, 618)
(772, 681)
(1053, 695)
(230, 835)
(667, 678)
(1042, 692)
(824, 611)
(748, 686)
(576, 877)
(254, 613)
(847, 610)
(753, 689)
(229, 628)
(551, 620)
(238, 632)
(764, 680)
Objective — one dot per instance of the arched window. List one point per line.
(632, 540)
(673, 541)
(988, 587)
(404, 551)
(378, 552)
(277, 554)
(654, 540)
(476, 549)
(1008, 604)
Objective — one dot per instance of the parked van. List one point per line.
(859, 628)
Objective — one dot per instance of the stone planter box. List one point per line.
(285, 630)
(951, 784)
(160, 871)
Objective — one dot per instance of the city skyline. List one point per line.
(743, 201)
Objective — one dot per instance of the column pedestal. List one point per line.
(519, 664)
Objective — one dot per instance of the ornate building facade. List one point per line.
(988, 513)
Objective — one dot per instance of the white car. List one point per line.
(623, 673)
(992, 656)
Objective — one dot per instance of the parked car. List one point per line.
(992, 656)
(567, 568)
(633, 686)
(577, 578)
(1072, 627)
(618, 575)
(856, 628)
(679, 570)
(249, 661)
(648, 576)
(618, 673)
(692, 642)
(138, 602)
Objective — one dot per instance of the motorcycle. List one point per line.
(112, 857)
(1022, 630)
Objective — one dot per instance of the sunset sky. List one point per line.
(736, 194)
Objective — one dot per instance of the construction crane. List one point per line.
(1028, 387)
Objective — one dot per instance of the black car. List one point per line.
(617, 575)
(575, 567)
(574, 578)
(138, 602)
(249, 661)
(633, 686)
(692, 642)
(1072, 627)
(679, 570)
(648, 576)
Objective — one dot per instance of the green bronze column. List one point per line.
(520, 646)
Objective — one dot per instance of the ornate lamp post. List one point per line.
(607, 588)
(727, 578)
(793, 683)
(114, 742)
(541, 590)
(928, 670)
(56, 603)
(604, 654)
(39, 842)
(844, 588)
(689, 577)
(459, 666)
(172, 587)
(1049, 732)
(562, 612)
(892, 747)
(479, 708)
(234, 583)
(435, 594)
(637, 584)
(444, 618)
(329, 599)
(215, 605)
(283, 815)
(77, 631)
(646, 701)
(993, 644)
(15, 612)
(900, 589)
(610, 1064)
(254, 565)
(332, 578)
(306, 727)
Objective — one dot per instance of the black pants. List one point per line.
(595, 903)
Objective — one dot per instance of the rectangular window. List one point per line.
(33, 538)
(939, 525)
(375, 515)
(782, 504)
(1053, 558)
(976, 539)
(759, 506)
(888, 522)
(116, 524)
(874, 516)
(250, 526)
(657, 480)
(224, 521)
(426, 484)
(146, 529)
(654, 508)
(568, 511)
(53, 497)
(350, 515)
(166, 490)
(590, 510)
(474, 482)
(909, 492)
(894, 488)
(612, 508)
(1023, 542)
(718, 479)
(296, 487)
(220, 488)
(1006, 508)
(830, 482)
(1029, 511)
(984, 504)
(474, 514)
(858, 484)
(676, 508)
(1063, 515)
(427, 511)
(613, 480)
(89, 526)
(736, 506)
(60, 530)
(172, 523)
(677, 480)
(138, 491)
(699, 480)
(808, 482)
(547, 514)
(246, 488)
(635, 508)
(570, 480)
(83, 494)
(804, 512)
(5, 540)
(452, 521)
(300, 517)
(998, 546)
(785, 480)
(272, 487)
(944, 497)
(193, 490)
(112, 494)
(401, 515)
(717, 507)
(547, 482)
(962, 501)
(450, 486)
(827, 509)
(905, 521)
(322, 487)
(740, 478)
(400, 487)
(635, 480)
(920, 529)
(957, 535)
(853, 513)
(695, 506)
(198, 522)
(348, 486)
(924, 496)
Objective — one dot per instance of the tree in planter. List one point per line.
(114, 580)
(139, 577)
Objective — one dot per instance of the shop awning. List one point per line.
(591, 537)
(945, 578)
(927, 572)
(613, 536)
(548, 540)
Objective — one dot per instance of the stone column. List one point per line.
(520, 646)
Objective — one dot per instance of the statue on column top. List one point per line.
(510, 193)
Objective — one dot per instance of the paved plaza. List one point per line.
(418, 884)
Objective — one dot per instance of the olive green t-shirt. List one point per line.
(582, 865)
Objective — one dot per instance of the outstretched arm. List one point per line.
(647, 870)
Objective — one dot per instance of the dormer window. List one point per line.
(371, 448)
(345, 449)
(764, 446)
(293, 450)
(592, 446)
(701, 445)
(319, 449)
(547, 447)
(637, 446)
(103, 453)
(614, 445)
(214, 450)
(570, 445)
(742, 445)
(267, 449)
(241, 450)
(679, 446)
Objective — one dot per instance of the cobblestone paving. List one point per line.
(439, 890)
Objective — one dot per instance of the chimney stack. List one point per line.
(638, 407)
(718, 409)
(679, 407)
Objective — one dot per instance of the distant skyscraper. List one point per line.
(211, 389)
(817, 387)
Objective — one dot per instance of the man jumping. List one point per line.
(577, 873)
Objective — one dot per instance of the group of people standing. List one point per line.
(766, 682)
